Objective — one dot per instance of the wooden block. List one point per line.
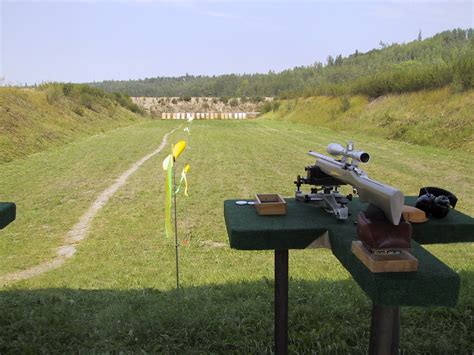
(404, 262)
(413, 214)
(270, 204)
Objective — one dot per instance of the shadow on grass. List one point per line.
(325, 317)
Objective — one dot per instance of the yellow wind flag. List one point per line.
(178, 149)
(184, 179)
(168, 167)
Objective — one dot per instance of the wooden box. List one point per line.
(405, 262)
(270, 204)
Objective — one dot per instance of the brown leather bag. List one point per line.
(376, 232)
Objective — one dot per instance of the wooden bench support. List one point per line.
(384, 330)
(281, 302)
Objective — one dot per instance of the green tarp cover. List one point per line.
(433, 284)
(303, 223)
(7, 213)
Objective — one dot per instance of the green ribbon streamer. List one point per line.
(169, 195)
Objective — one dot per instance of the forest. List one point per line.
(444, 59)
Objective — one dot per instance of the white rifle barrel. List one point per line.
(387, 198)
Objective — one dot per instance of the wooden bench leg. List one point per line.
(281, 302)
(384, 330)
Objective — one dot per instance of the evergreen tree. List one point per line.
(330, 61)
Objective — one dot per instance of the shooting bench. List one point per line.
(305, 226)
(7, 213)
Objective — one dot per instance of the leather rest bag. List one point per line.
(376, 232)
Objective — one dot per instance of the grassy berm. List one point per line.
(32, 120)
(117, 293)
(440, 118)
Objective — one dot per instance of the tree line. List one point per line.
(444, 59)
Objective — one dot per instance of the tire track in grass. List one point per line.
(79, 231)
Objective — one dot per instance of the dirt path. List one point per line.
(79, 231)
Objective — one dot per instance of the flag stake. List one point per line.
(176, 230)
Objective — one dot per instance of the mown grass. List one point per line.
(117, 293)
(52, 189)
(439, 118)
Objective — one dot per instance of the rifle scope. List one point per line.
(337, 149)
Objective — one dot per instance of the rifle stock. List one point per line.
(385, 197)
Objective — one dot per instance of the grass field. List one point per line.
(117, 292)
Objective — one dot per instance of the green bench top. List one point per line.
(434, 284)
(7, 213)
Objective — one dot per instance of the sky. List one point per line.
(87, 40)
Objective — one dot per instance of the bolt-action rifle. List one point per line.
(328, 174)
